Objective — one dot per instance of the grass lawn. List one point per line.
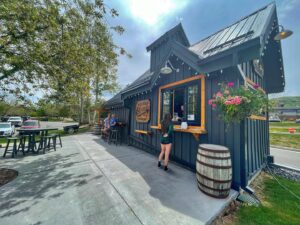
(278, 207)
(285, 140)
(284, 129)
(285, 124)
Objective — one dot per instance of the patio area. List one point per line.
(90, 182)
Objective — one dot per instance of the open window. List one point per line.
(184, 100)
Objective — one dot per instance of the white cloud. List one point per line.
(152, 12)
(286, 6)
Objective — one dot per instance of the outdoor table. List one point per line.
(32, 132)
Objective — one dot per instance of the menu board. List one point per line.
(142, 111)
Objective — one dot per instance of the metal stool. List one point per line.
(14, 149)
(22, 144)
(49, 144)
(31, 143)
(114, 136)
(59, 138)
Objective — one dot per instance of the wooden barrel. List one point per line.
(97, 129)
(214, 170)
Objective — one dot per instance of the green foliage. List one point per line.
(237, 103)
(16, 109)
(62, 45)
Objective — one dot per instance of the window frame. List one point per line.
(198, 79)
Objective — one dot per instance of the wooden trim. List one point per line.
(190, 129)
(143, 132)
(157, 127)
(252, 83)
(196, 131)
(202, 123)
(200, 77)
(254, 117)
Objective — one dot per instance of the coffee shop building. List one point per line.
(182, 77)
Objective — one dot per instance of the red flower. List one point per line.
(219, 94)
(228, 102)
(237, 100)
(230, 84)
(256, 86)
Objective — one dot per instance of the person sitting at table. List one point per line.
(113, 121)
(106, 128)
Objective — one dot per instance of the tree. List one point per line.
(63, 46)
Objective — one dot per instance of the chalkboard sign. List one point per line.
(142, 111)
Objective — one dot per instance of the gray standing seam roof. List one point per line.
(144, 79)
(141, 80)
(246, 29)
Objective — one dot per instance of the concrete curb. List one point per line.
(222, 210)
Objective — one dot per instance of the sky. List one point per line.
(146, 20)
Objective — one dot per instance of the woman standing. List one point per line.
(166, 139)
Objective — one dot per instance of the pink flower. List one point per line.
(219, 94)
(230, 84)
(210, 101)
(256, 86)
(226, 92)
(237, 100)
(229, 98)
(228, 102)
(214, 105)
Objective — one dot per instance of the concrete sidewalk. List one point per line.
(91, 182)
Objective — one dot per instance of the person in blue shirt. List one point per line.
(113, 120)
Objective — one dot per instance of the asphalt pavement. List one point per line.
(58, 124)
(286, 157)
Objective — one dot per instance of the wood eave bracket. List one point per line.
(195, 131)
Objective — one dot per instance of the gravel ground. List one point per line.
(283, 172)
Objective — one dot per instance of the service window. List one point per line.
(183, 100)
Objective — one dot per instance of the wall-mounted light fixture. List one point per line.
(283, 33)
(166, 69)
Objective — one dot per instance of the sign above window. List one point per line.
(142, 111)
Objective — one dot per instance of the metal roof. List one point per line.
(142, 80)
(115, 100)
(244, 30)
(170, 33)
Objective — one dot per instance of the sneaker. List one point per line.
(159, 164)
(166, 168)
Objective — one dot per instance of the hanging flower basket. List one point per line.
(237, 103)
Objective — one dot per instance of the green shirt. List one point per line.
(169, 138)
